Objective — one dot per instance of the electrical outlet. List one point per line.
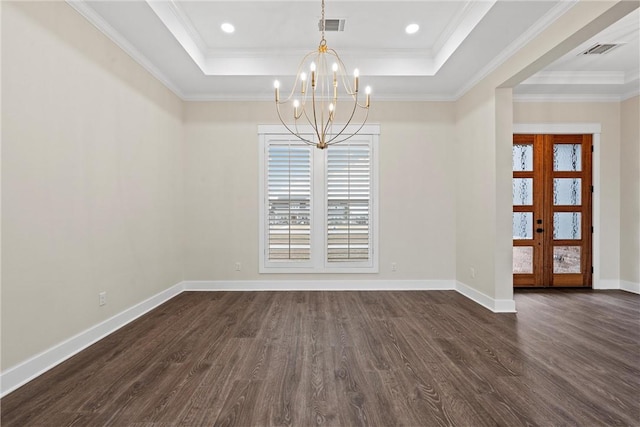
(102, 298)
(473, 272)
(394, 266)
(238, 266)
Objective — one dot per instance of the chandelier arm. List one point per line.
(343, 75)
(295, 83)
(315, 119)
(296, 134)
(332, 142)
(309, 122)
(328, 125)
(353, 112)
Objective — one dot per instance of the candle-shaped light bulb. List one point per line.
(296, 104)
(335, 74)
(276, 85)
(356, 74)
(331, 108)
(313, 74)
(303, 79)
(367, 90)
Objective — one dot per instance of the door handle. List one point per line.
(539, 230)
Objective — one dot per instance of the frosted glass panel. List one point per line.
(523, 225)
(567, 157)
(523, 260)
(522, 191)
(566, 225)
(522, 157)
(566, 259)
(566, 191)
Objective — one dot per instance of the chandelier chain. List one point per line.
(323, 42)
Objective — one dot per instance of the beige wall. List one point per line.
(416, 200)
(608, 115)
(476, 193)
(630, 190)
(91, 179)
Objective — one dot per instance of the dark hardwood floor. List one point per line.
(352, 358)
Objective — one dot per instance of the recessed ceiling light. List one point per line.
(227, 28)
(412, 28)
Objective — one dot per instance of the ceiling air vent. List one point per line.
(599, 49)
(331, 25)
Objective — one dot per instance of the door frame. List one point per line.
(595, 129)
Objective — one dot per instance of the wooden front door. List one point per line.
(552, 226)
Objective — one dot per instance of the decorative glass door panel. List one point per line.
(552, 210)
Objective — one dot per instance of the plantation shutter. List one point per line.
(289, 200)
(349, 202)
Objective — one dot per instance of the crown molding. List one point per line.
(576, 78)
(549, 97)
(630, 94)
(632, 76)
(269, 98)
(84, 9)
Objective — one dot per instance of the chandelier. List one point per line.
(321, 90)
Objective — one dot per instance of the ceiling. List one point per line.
(459, 42)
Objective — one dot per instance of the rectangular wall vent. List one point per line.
(332, 25)
(600, 48)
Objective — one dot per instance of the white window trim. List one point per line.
(319, 264)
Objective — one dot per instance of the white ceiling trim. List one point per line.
(630, 94)
(632, 76)
(566, 98)
(269, 98)
(252, 62)
(518, 44)
(103, 26)
(576, 78)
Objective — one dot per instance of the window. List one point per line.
(318, 208)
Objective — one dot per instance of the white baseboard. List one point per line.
(623, 285)
(319, 285)
(495, 305)
(630, 286)
(24, 372)
(602, 284)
